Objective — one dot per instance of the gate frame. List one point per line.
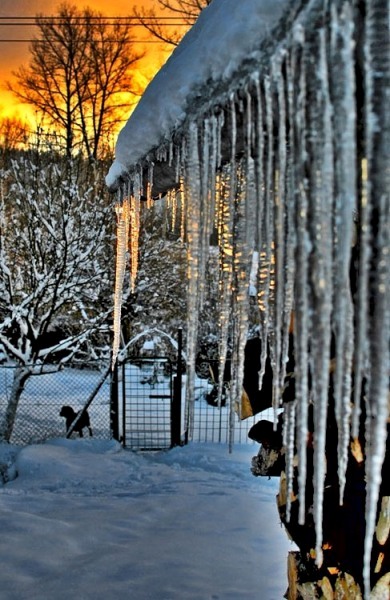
(175, 397)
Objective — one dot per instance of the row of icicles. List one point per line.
(299, 201)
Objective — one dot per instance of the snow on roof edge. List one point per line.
(204, 55)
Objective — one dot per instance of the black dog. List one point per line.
(70, 415)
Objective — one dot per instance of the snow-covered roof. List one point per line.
(226, 33)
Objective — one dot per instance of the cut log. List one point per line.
(302, 584)
(346, 588)
(383, 526)
(292, 575)
(381, 590)
(326, 589)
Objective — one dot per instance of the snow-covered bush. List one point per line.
(55, 264)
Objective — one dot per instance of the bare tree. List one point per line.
(55, 265)
(79, 76)
(186, 11)
(14, 134)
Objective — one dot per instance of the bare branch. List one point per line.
(187, 10)
(79, 68)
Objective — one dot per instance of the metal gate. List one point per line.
(148, 408)
(148, 415)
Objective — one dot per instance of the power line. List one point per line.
(24, 21)
(134, 22)
(165, 24)
(17, 41)
(54, 18)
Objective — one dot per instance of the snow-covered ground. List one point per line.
(87, 519)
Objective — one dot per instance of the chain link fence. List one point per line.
(212, 423)
(38, 414)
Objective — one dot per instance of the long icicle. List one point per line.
(193, 206)
(262, 228)
(320, 224)
(122, 210)
(301, 323)
(266, 283)
(225, 233)
(377, 68)
(343, 98)
(232, 200)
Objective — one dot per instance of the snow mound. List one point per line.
(88, 519)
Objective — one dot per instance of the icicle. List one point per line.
(258, 133)
(206, 207)
(214, 140)
(362, 295)
(224, 226)
(216, 214)
(170, 153)
(289, 439)
(290, 233)
(162, 153)
(320, 224)
(136, 183)
(235, 402)
(243, 245)
(342, 75)
(149, 184)
(301, 323)
(250, 180)
(122, 210)
(278, 367)
(172, 206)
(376, 144)
(220, 124)
(178, 164)
(265, 162)
(193, 206)
(183, 209)
(134, 219)
(243, 242)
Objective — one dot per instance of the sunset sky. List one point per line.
(14, 54)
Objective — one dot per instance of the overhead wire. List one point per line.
(32, 40)
(28, 21)
(92, 17)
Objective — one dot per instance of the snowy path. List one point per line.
(86, 519)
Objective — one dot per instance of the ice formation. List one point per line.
(122, 210)
(203, 54)
(272, 160)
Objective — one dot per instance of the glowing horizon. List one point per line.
(16, 54)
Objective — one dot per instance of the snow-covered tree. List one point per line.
(159, 299)
(55, 265)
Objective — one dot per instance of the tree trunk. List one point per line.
(21, 375)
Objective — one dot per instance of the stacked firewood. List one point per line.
(340, 575)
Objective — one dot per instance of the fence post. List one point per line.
(176, 399)
(114, 412)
